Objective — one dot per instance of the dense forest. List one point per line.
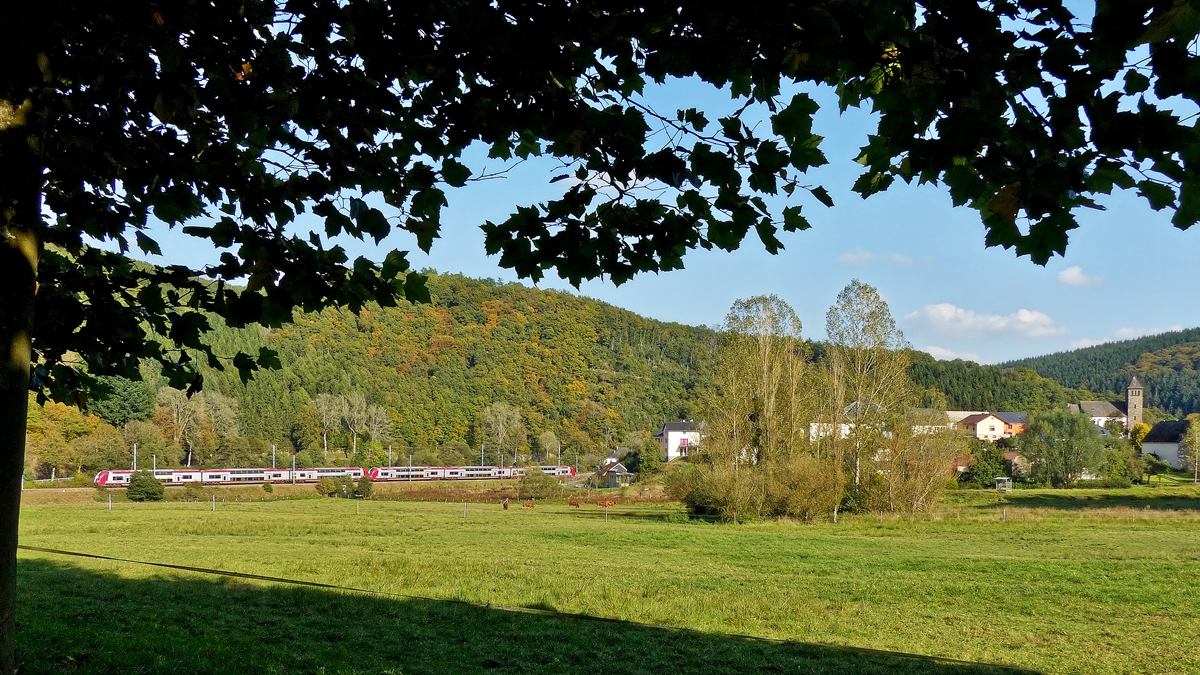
(966, 385)
(1168, 364)
(582, 376)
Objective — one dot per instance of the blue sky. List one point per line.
(1127, 271)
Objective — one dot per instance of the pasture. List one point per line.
(1069, 581)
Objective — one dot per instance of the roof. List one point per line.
(959, 415)
(684, 425)
(1013, 417)
(1167, 432)
(858, 408)
(1135, 383)
(1012, 455)
(615, 468)
(1100, 409)
(976, 419)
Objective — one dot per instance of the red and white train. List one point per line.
(230, 476)
(389, 473)
(383, 473)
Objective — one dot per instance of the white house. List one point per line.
(984, 425)
(1101, 412)
(677, 439)
(1164, 440)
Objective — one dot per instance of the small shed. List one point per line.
(1004, 483)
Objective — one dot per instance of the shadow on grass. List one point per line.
(1072, 500)
(77, 620)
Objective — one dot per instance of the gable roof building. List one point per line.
(614, 474)
(984, 425)
(677, 439)
(1101, 412)
(1164, 440)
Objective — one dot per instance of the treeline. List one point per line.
(970, 386)
(580, 372)
(1167, 365)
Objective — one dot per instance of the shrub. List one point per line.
(144, 487)
(328, 487)
(363, 489)
(267, 487)
(194, 492)
(537, 484)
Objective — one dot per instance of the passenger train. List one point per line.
(384, 473)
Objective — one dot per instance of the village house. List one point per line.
(614, 474)
(677, 439)
(992, 426)
(1164, 440)
(985, 426)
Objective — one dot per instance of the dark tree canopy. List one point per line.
(234, 118)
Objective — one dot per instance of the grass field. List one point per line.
(1069, 581)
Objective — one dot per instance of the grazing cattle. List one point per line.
(573, 503)
(606, 503)
(527, 505)
(505, 503)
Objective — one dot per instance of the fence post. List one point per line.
(110, 501)
(214, 503)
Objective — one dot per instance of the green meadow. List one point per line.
(1050, 581)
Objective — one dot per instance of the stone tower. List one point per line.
(1134, 403)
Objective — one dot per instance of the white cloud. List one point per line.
(943, 354)
(1074, 276)
(1086, 342)
(948, 318)
(859, 256)
(1131, 333)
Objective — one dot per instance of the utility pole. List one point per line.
(559, 444)
(154, 462)
(389, 454)
(272, 455)
(410, 467)
(293, 468)
(135, 456)
(480, 453)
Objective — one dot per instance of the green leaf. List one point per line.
(822, 195)
(147, 244)
(1135, 82)
(793, 221)
(269, 359)
(1160, 196)
(394, 264)
(415, 289)
(455, 173)
(1188, 213)
(245, 366)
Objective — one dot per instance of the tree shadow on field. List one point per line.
(1074, 500)
(84, 621)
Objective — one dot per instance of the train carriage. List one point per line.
(243, 476)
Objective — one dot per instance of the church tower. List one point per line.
(1134, 403)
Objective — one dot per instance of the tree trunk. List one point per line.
(20, 199)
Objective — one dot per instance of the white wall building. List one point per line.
(678, 439)
(1164, 440)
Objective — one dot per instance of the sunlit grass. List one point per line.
(1054, 586)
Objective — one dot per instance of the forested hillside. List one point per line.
(970, 386)
(1168, 365)
(586, 370)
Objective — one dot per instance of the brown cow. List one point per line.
(573, 503)
(606, 503)
(527, 505)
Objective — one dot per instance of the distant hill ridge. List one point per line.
(1167, 363)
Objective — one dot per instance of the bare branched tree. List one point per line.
(329, 416)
